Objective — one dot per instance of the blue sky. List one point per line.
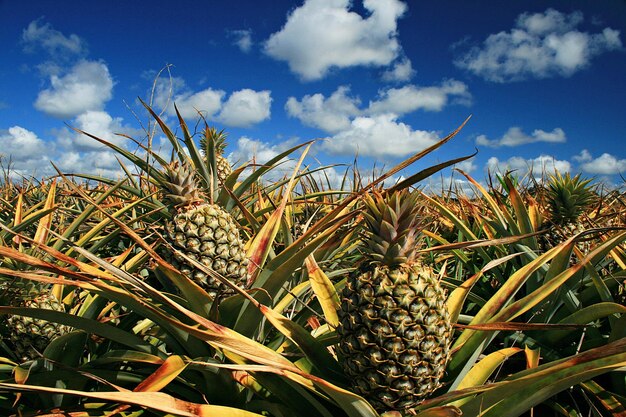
(543, 81)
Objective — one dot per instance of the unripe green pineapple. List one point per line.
(567, 199)
(29, 336)
(223, 167)
(395, 330)
(202, 231)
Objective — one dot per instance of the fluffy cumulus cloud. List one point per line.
(540, 45)
(103, 163)
(322, 34)
(336, 113)
(330, 114)
(71, 151)
(246, 107)
(206, 102)
(605, 164)
(88, 85)
(381, 136)
(42, 36)
(242, 108)
(410, 98)
(401, 71)
(516, 137)
(20, 145)
(99, 124)
(538, 166)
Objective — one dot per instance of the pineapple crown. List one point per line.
(180, 187)
(218, 138)
(391, 227)
(568, 197)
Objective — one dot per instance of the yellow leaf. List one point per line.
(324, 291)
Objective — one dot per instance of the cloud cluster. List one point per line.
(242, 108)
(330, 114)
(323, 34)
(21, 144)
(246, 107)
(401, 71)
(380, 135)
(375, 130)
(88, 85)
(38, 36)
(410, 98)
(540, 45)
(516, 137)
(605, 164)
(335, 113)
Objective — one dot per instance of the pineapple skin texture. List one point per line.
(209, 235)
(223, 168)
(30, 336)
(395, 335)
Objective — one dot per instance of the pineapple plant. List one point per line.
(395, 330)
(223, 167)
(29, 336)
(567, 199)
(203, 231)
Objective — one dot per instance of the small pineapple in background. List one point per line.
(29, 336)
(395, 330)
(202, 231)
(219, 140)
(567, 198)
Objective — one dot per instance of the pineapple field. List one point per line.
(190, 287)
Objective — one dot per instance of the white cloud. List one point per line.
(322, 34)
(208, 102)
(242, 108)
(381, 136)
(583, 156)
(174, 90)
(87, 86)
(99, 124)
(410, 98)
(250, 150)
(516, 137)
(43, 36)
(21, 145)
(401, 71)
(30, 156)
(605, 164)
(540, 165)
(331, 114)
(335, 113)
(103, 163)
(541, 45)
(246, 107)
(243, 39)
(72, 152)
(466, 166)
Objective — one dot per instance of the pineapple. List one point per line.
(567, 199)
(223, 167)
(29, 336)
(202, 231)
(395, 330)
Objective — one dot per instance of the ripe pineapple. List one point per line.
(567, 199)
(202, 231)
(29, 336)
(223, 167)
(395, 330)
